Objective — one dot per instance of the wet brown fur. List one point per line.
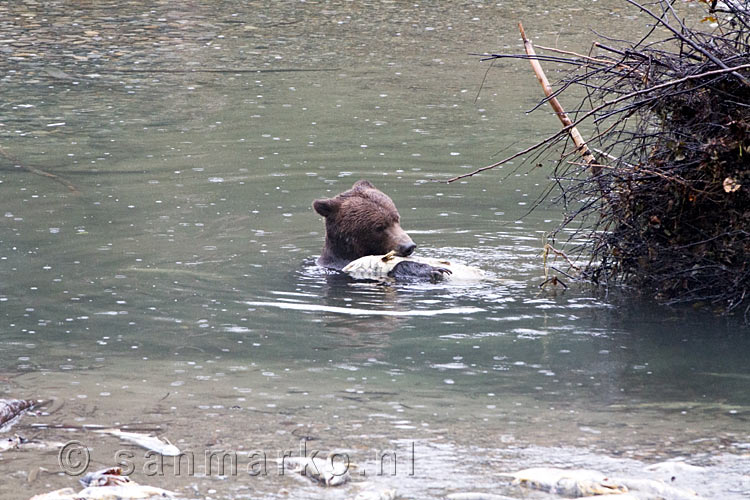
(361, 221)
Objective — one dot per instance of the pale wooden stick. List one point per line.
(581, 146)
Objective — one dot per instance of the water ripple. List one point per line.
(354, 311)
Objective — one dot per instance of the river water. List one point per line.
(164, 281)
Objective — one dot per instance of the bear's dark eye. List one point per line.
(380, 228)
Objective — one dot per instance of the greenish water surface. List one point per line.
(165, 279)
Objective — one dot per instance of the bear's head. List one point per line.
(361, 221)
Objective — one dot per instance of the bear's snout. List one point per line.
(406, 249)
(400, 241)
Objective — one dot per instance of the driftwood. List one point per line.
(661, 199)
(568, 124)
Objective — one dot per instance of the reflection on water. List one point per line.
(174, 291)
(364, 312)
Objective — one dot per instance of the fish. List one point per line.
(569, 483)
(61, 494)
(574, 483)
(375, 492)
(127, 491)
(105, 477)
(152, 443)
(107, 484)
(378, 267)
(323, 471)
(650, 488)
(473, 495)
(11, 410)
(11, 442)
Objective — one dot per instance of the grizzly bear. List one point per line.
(364, 221)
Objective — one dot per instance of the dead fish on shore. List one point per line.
(471, 495)
(11, 442)
(582, 483)
(152, 443)
(323, 471)
(11, 410)
(61, 494)
(107, 484)
(105, 477)
(650, 489)
(568, 483)
(370, 491)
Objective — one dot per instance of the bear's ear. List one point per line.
(325, 206)
(363, 184)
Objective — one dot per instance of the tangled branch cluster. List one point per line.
(666, 205)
